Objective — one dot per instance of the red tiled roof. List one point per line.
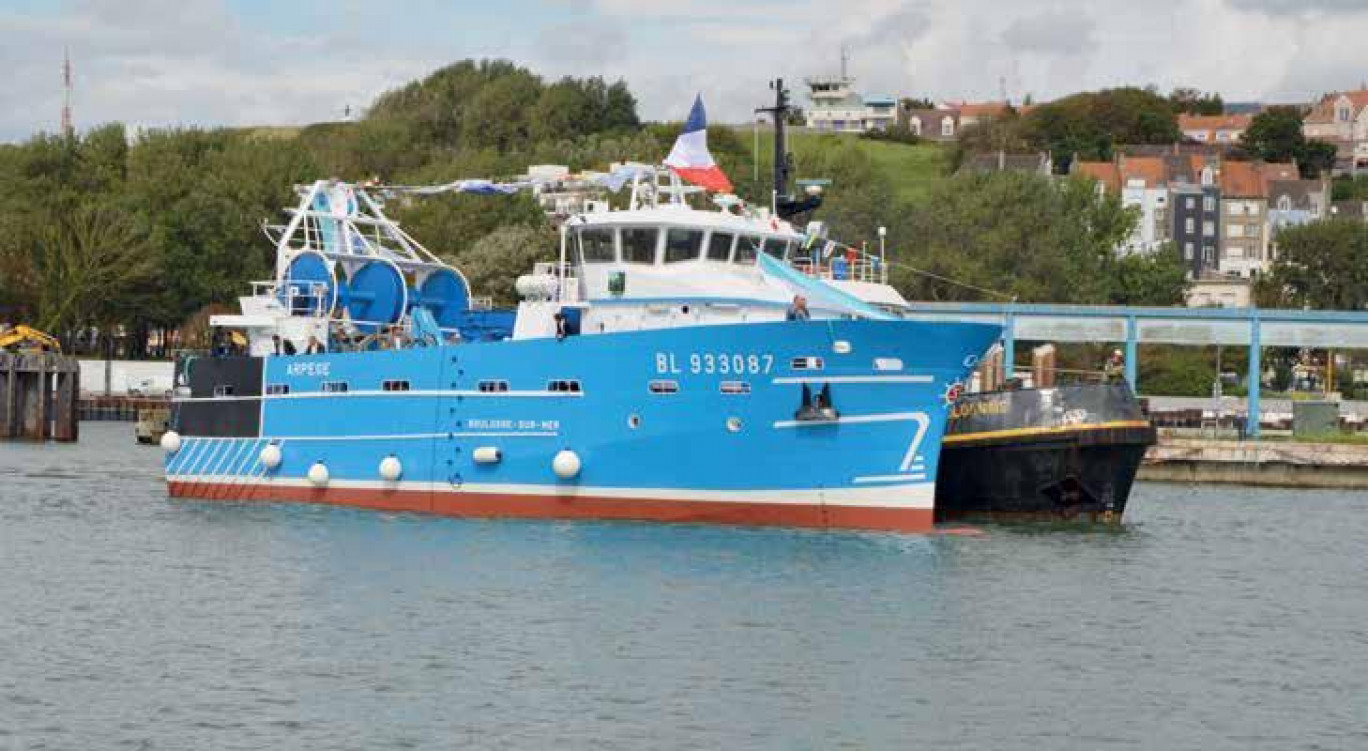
(983, 109)
(1324, 111)
(1103, 172)
(1241, 180)
(1279, 171)
(1150, 169)
(1213, 122)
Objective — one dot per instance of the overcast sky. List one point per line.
(247, 62)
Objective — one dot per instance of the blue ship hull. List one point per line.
(705, 424)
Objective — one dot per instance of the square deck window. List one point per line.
(596, 245)
(719, 246)
(639, 244)
(683, 245)
(746, 248)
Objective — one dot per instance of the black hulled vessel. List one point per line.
(1068, 453)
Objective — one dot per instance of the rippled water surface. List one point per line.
(1219, 618)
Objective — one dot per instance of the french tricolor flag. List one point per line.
(690, 158)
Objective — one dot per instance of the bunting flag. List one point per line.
(690, 158)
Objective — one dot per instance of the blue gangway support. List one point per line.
(1255, 375)
(1009, 345)
(820, 291)
(425, 327)
(1133, 353)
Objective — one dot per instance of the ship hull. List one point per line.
(1068, 454)
(661, 429)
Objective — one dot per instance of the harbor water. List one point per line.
(1217, 618)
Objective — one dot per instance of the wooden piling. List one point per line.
(38, 393)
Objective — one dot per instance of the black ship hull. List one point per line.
(1060, 454)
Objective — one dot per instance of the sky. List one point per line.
(154, 63)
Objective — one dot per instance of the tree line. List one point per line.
(129, 232)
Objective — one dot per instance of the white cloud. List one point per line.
(152, 62)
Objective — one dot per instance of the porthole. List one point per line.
(634, 421)
(734, 424)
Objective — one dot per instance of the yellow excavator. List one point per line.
(22, 338)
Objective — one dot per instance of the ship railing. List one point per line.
(865, 268)
(312, 297)
(1027, 377)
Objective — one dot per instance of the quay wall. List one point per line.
(1265, 463)
(148, 377)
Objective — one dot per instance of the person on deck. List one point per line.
(798, 311)
(1115, 368)
(315, 347)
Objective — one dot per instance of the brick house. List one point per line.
(1342, 119)
(1222, 130)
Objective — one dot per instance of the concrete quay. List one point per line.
(1265, 463)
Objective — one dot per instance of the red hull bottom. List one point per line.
(497, 505)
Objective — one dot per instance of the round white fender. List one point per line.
(566, 465)
(487, 455)
(391, 469)
(171, 442)
(270, 456)
(318, 474)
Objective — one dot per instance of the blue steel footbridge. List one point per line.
(1254, 328)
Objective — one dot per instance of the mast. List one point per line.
(784, 203)
(67, 129)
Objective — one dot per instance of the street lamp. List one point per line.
(883, 260)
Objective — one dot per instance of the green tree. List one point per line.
(493, 264)
(84, 262)
(1158, 278)
(1349, 188)
(1275, 135)
(1090, 123)
(1321, 265)
(619, 108)
(1193, 102)
(1018, 235)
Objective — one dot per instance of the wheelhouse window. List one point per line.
(639, 244)
(335, 387)
(493, 387)
(596, 245)
(746, 248)
(719, 246)
(682, 245)
(775, 247)
(395, 385)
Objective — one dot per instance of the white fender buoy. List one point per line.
(318, 474)
(566, 464)
(391, 469)
(841, 347)
(171, 442)
(487, 455)
(270, 456)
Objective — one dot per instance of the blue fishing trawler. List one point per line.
(670, 365)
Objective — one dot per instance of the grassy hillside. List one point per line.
(911, 170)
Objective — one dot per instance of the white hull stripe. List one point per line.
(853, 419)
(391, 437)
(855, 379)
(912, 477)
(398, 394)
(910, 495)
